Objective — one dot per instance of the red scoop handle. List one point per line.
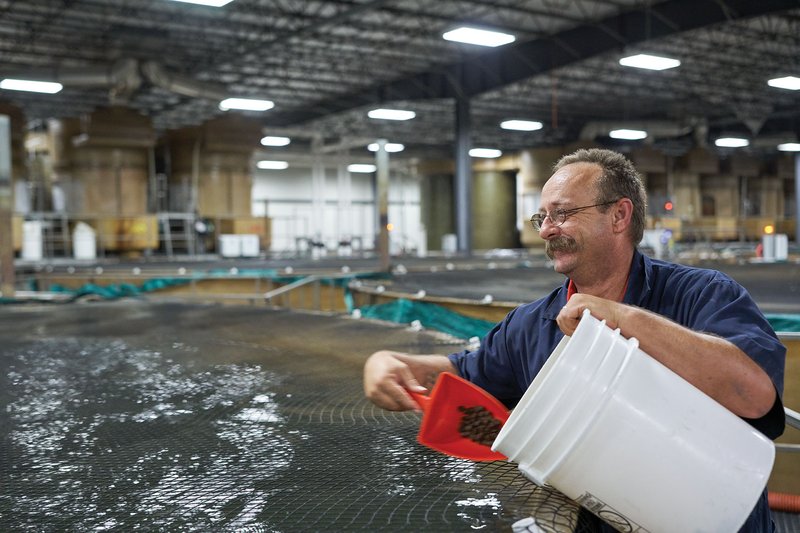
(423, 400)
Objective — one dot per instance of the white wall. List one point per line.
(287, 197)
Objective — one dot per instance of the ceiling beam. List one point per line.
(481, 73)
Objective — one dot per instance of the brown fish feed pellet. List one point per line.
(479, 425)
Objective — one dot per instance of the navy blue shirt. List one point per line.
(704, 300)
(514, 351)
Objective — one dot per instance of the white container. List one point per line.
(449, 243)
(84, 242)
(633, 442)
(250, 245)
(32, 241)
(229, 246)
(781, 247)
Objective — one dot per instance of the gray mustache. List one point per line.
(560, 244)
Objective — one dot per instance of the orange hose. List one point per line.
(780, 501)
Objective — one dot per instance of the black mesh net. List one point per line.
(178, 418)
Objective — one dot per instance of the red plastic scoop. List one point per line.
(460, 419)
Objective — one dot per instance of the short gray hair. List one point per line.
(619, 179)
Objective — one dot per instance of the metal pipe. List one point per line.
(792, 418)
(382, 164)
(463, 178)
(797, 199)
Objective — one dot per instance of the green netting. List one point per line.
(436, 317)
(784, 323)
(430, 315)
(121, 290)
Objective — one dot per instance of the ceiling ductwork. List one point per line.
(124, 78)
(123, 72)
(156, 74)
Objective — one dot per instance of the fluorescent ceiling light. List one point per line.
(731, 142)
(485, 152)
(361, 168)
(48, 87)
(248, 104)
(390, 147)
(521, 125)
(649, 62)
(212, 3)
(391, 114)
(787, 82)
(628, 135)
(789, 147)
(272, 165)
(477, 36)
(270, 140)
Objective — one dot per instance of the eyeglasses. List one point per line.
(559, 216)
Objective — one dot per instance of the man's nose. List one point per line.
(548, 230)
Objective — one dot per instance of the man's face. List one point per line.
(580, 235)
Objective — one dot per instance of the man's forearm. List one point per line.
(710, 363)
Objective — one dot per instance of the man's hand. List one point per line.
(602, 309)
(388, 376)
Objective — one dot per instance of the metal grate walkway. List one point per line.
(137, 417)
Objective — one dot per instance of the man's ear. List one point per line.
(623, 214)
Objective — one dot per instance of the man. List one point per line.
(698, 322)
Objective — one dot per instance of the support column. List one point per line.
(345, 200)
(797, 199)
(382, 164)
(317, 191)
(6, 199)
(463, 178)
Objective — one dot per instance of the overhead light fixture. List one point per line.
(628, 135)
(521, 125)
(361, 168)
(390, 147)
(271, 140)
(246, 104)
(272, 165)
(787, 82)
(47, 87)
(488, 153)
(391, 114)
(731, 142)
(789, 147)
(649, 62)
(212, 3)
(468, 35)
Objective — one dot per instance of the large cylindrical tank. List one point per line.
(436, 205)
(494, 210)
(210, 166)
(535, 168)
(102, 161)
(102, 164)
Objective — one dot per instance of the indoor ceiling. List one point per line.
(325, 63)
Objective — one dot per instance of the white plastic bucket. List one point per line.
(229, 245)
(32, 240)
(633, 442)
(250, 245)
(84, 244)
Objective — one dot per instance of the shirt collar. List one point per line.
(639, 286)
